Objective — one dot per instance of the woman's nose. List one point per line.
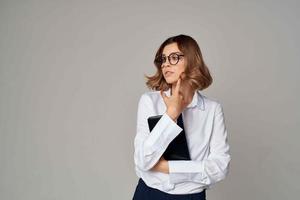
(166, 63)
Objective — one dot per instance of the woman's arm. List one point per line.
(161, 166)
(149, 146)
(207, 171)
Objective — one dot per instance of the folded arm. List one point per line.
(149, 146)
(212, 169)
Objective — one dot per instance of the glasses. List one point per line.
(173, 59)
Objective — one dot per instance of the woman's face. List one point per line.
(171, 72)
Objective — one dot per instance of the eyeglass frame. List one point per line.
(159, 59)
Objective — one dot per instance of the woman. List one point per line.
(181, 74)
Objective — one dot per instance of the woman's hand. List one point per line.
(177, 102)
(161, 166)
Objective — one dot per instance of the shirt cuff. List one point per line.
(162, 134)
(184, 171)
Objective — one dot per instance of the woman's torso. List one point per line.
(198, 123)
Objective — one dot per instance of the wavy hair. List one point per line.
(196, 72)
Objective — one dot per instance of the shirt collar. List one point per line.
(197, 99)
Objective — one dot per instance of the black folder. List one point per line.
(178, 148)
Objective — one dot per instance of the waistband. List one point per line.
(198, 194)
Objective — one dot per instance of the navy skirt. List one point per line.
(144, 192)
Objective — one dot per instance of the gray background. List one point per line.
(71, 74)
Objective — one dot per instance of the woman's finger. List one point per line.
(177, 86)
(164, 96)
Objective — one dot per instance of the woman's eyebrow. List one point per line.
(172, 52)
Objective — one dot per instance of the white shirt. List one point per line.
(206, 134)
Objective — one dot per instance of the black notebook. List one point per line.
(178, 148)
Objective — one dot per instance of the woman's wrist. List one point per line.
(161, 166)
(172, 114)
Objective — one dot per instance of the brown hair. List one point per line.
(196, 72)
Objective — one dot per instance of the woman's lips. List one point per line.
(169, 73)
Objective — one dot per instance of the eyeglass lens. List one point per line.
(173, 58)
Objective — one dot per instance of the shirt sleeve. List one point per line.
(212, 169)
(149, 146)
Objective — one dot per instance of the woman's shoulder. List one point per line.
(150, 95)
(208, 102)
(209, 99)
(212, 104)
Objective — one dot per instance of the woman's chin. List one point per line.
(171, 80)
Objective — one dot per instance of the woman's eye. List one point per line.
(174, 57)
